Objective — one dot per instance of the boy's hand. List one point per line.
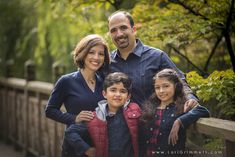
(84, 116)
(173, 137)
(189, 104)
(90, 152)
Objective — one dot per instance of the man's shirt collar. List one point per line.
(138, 50)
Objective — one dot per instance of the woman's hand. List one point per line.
(173, 137)
(90, 152)
(84, 116)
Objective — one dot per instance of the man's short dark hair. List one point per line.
(127, 14)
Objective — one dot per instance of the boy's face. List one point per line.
(116, 96)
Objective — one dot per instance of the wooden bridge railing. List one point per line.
(23, 122)
(22, 118)
(223, 129)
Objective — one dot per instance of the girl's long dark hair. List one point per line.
(149, 107)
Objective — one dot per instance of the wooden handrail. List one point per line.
(224, 129)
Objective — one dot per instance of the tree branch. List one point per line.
(212, 53)
(190, 9)
(187, 59)
(226, 34)
(116, 4)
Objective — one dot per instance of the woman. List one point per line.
(80, 91)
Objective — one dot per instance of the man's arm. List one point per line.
(192, 99)
(193, 115)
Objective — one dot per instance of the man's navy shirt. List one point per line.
(141, 65)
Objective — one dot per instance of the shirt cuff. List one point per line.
(192, 96)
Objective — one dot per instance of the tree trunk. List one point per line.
(230, 49)
(227, 36)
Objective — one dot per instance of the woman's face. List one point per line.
(164, 90)
(95, 58)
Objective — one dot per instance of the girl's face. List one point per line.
(164, 90)
(95, 58)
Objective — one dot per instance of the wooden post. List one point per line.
(30, 70)
(58, 70)
(9, 68)
(29, 73)
(230, 148)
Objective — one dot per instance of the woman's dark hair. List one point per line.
(118, 77)
(149, 107)
(84, 46)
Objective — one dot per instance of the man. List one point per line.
(139, 61)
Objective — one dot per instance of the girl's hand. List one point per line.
(84, 116)
(90, 152)
(173, 137)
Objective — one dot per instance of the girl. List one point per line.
(80, 91)
(163, 123)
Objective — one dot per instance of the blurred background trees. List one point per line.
(194, 31)
(197, 35)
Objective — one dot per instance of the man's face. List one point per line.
(121, 32)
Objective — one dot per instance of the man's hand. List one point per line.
(90, 152)
(84, 116)
(173, 137)
(189, 104)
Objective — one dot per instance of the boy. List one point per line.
(113, 130)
